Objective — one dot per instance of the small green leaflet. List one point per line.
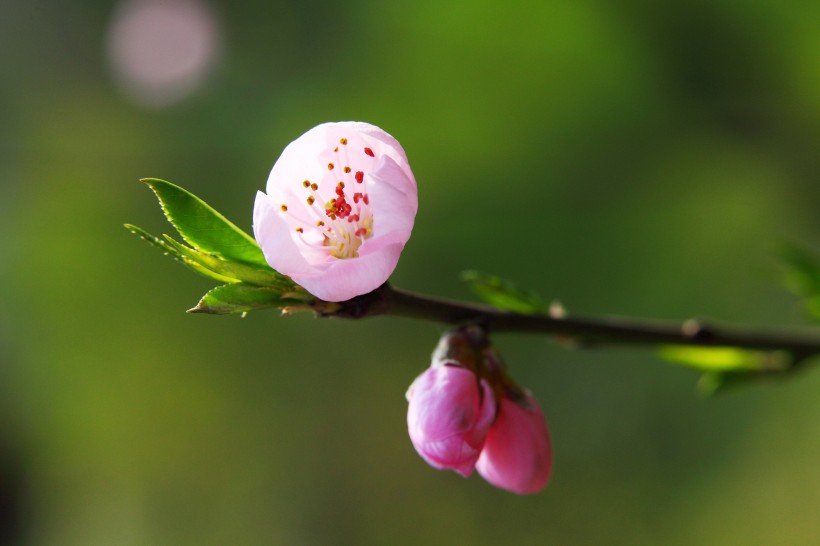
(172, 251)
(802, 275)
(712, 383)
(234, 271)
(213, 266)
(503, 294)
(241, 298)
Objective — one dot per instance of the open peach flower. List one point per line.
(340, 205)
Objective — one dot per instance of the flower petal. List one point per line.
(517, 455)
(341, 280)
(394, 209)
(274, 237)
(299, 161)
(446, 417)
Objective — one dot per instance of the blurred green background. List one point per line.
(634, 158)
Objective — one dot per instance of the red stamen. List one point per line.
(359, 176)
(369, 152)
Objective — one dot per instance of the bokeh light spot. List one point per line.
(161, 51)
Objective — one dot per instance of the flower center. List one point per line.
(339, 222)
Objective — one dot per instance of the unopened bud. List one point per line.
(517, 453)
(448, 416)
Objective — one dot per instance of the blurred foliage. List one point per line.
(634, 158)
(503, 294)
(725, 367)
(717, 359)
(802, 276)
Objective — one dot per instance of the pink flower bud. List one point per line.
(517, 455)
(340, 205)
(449, 413)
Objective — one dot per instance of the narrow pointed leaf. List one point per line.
(241, 298)
(172, 251)
(503, 294)
(236, 271)
(203, 227)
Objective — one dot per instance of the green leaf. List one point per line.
(241, 298)
(724, 359)
(175, 253)
(503, 294)
(802, 276)
(813, 305)
(802, 270)
(234, 271)
(712, 383)
(203, 227)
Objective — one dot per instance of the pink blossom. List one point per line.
(340, 205)
(517, 455)
(448, 417)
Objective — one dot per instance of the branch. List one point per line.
(586, 331)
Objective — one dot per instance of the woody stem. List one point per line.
(587, 331)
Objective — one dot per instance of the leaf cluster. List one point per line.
(216, 248)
